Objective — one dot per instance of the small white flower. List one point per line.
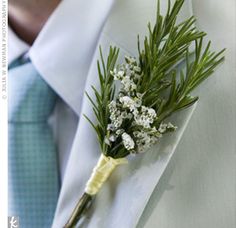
(155, 132)
(150, 112)
(120, 131)
(137, 69)
(135, 113)
(112, 138)
(128, 141)
(128, 84)
(145, 117)
(119, 75)
(138, 101)
(165, 127)
(113, 72)
(127, 102)
(118, 122)
(124, 114)
(112, 106)
(129, 116)
(162, 128)
(130, 60)
(142, 121)
(145, 138)
(171, 126)
(111, 127)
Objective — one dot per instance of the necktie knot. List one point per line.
(30, 98)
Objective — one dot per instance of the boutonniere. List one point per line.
(136, 97)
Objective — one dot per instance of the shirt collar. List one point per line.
(63, 51)
(16, 47)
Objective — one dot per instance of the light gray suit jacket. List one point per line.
(65, 53)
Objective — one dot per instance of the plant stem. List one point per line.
(81, 206)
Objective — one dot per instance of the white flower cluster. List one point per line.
(145, 117)
(127, 114)
(128, 74)
(128, 141)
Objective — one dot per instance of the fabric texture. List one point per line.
(33, 171)
(198, 187)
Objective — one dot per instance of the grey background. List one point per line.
(198, 187)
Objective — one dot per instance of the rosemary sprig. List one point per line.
(104, 96)
(165, 85)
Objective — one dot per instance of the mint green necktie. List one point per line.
(33, 170)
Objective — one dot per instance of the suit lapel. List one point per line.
(130, 186)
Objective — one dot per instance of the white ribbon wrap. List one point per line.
(101, 172)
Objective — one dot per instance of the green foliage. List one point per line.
(166, 88)
(104, 96)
